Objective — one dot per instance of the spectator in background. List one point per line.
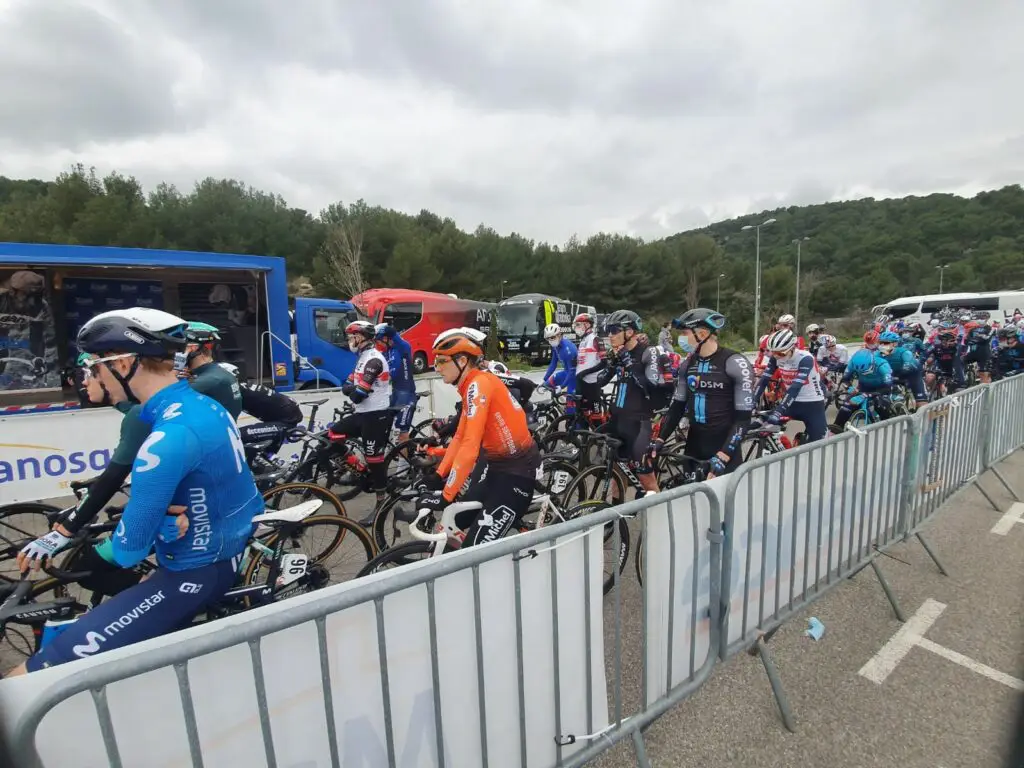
(665, 337)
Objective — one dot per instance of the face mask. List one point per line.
(685, 345)
(885, 349)
(581, 330)
(554, 342)
(353, 345)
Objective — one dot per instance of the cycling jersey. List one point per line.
(799, 376)
(880, 378)
(762, 350)
(399, 359)
(590, 358)
(979, 338)
(266, 404)
(902, 362)
(565, 353)
(192, 457)
(369, 384)
(834, 359)
(917, 347)
(1009, 361)
(491, 423)
(213, 381)
(639, 388)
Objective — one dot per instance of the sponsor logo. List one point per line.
(471, 400)
(190, 588)
(146, 459)
(91, 645)
(134, 337)
(199, 519)
(496, 522)
(53, 464)
(125, 620)
(172, 411)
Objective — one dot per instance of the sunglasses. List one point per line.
(92, 367)
(614, 329)
(441, 360)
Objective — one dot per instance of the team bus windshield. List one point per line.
(518, 319)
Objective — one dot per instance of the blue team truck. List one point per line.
(48, 291)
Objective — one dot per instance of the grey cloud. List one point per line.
(69, 76)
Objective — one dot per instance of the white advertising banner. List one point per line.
(147, 714)
(807, 516)
(678, 574)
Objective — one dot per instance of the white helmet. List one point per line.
(551, 330)
(813, 328)
(781, 341)
(496, 366)
(934, 322)
(787, 320)
(826, 340)
(1020, 323)
(478, 336)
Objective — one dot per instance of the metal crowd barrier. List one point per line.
(724, 565)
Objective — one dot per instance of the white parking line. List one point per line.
(1007, 521)
(911, 634)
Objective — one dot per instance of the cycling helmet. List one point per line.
(781, 341)
(583, 317)
(201, 333)
(360, 328)
(1008, 333)
(379, 330)
(826, 340)
(476, 335)
(947, 334)
(700, 318)
(787, 320)
(813, 328)
(551, 330)
(232, 369)
(623, 318)
(140, 330)
(889, 337)
(871, 339)
(862, 361)
(459, 341)
(495, 366)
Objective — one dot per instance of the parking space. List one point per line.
(932, 708)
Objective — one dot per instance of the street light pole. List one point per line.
(942, 271)
(796, 301)
(503, 282)
(718, 298)
(757, 271)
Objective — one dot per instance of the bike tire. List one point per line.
(577, 491)
(399, 555)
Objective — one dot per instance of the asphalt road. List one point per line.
(928, 713)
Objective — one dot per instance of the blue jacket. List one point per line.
(399, 357)
(902, 361)
(879, 378)
(566, 353)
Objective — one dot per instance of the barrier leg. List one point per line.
(981, 489)
(888, 591)
(776, 682)
(641, 750)
(1006, 485)
(932, 555)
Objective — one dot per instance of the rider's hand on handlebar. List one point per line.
(45, 547)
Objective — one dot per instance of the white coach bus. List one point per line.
(1000, 305)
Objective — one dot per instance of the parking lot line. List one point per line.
(1014, 515)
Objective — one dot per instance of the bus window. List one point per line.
(896, 311)
(929, 308)
(519, 319)
(989, 303)
(403, 315)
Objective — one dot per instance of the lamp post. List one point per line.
(757, 271)
(503, 284)
(718, 298)
(942, 271)
(796, 301)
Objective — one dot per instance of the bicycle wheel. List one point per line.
(20, 638)
(561, 445)
(391, 522)
(287, 495)
(556, 475)
(348, 548)
(597, 484)
(409, 552)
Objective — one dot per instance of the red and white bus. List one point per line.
(421, 315)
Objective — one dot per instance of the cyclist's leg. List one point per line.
(812, 414)
(404, 419)
(639, 455)
(915, 380)
(375, 430)
(506, 498)
(166, 601)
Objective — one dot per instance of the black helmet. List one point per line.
(1009, 332)
(700, 318)
(624, 318)
(142, 330)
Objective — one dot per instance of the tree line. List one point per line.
(853, 254)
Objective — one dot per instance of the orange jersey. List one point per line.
(492, 422)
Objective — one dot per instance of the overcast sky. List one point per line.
(546, 117)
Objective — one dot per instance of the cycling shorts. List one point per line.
(406, 413)
(165, 602)
(372, 427)
(635, 435)
(506, 499)
(982, 355)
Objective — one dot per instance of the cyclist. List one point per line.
(205, 375)
(134, 432)
(947, 353)
(276, 412)
(905, 367)
(832, 356)
(873, 375)
(369, 389)
(398, 352)
(814, 332)
(978, 345)
(493, 457)
(1010, 357)
(562, 351)
(788, 322)
(639, 391)
(589, 362)
(913, 339)
(871, 340)
(714, 390)
(192, 458)
(804, 396)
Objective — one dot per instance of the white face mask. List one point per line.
(353, 345)
(554, 342)
(581, 330)
(885, 349)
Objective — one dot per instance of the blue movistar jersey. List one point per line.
(916, 346)
(880, 376)
(193, 457)
(399, 357)
(902, 361)
(564, 352)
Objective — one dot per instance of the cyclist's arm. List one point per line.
(552, 366)
(134, 432)
(738, 369)
(570, 366)
(164, 460)
(358, 388)
(677, 408)
(465, 455)
(453, 447)
(765, 377)
(803, 374)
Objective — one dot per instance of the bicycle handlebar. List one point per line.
(418, 533)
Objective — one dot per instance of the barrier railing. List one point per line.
(497, 655)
